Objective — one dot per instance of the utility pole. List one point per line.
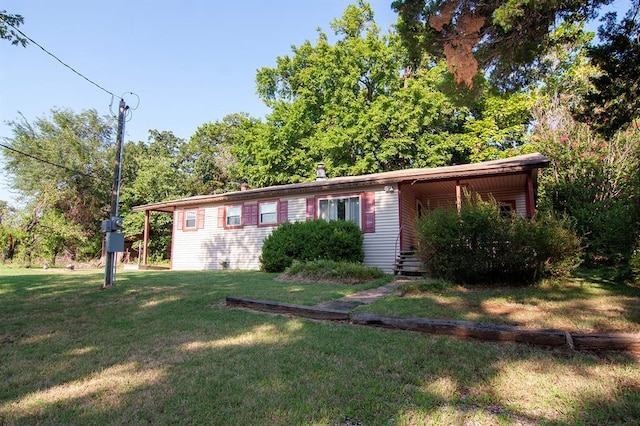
(114, 239)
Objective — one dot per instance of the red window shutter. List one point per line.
(179, 219)
(221, 214)
(311, 208)
(200, 219)
(250, 214)
(254, 214)
(283, 211)
(369, 212)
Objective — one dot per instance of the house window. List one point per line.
(268, 213)
(190, 219)
(346, 208)
(234, 215)
(507, 207)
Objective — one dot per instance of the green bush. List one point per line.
(330, 271)
(481, 245)
(312, 240)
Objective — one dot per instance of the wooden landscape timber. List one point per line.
(287, 308)
(465, 329)
(459, 329)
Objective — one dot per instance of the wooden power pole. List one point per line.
(114, 240)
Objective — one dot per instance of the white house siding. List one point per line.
(186, 246)
(379, 247)
(297, 209)
(210, 246)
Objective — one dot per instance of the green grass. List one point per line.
(161, 347)
(585, 303)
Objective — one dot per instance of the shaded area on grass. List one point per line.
(159, 348)
(584, 303)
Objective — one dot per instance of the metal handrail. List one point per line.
(395, 257)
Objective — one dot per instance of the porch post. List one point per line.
(531, 206)
(458, 196)
(145, 237)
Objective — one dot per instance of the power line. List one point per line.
(59, 60)
(42, 160)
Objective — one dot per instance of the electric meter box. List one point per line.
(115, 242)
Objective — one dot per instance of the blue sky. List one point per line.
(190, 62)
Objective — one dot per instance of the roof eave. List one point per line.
(497, 167)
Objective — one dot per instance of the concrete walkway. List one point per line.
(366, 297)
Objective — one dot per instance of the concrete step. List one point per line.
(408, 264)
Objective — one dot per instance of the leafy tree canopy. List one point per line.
(61, 167)
(208, 157)
(504, 38)
(614, 100)
(356, 106)
(8, 25)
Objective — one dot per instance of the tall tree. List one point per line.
(152, 172)
(614, 100)
(61, 168)
(208, 159)
(9, 231)
(357, 107)
(504, 38)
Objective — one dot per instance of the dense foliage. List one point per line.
(594, 180)
(479, 245)
(337, 240)
(510, 41)
(357, 106)
(64, 181)
(614, 100)
(503, 38)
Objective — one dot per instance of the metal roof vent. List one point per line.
(321, 173)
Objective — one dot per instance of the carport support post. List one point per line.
(530, 197)
(145, 243)
(458, 196)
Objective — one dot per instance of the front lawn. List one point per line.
(587, 303)
(161, 347)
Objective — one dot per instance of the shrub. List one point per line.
(594, 180)
(312, 240)
(480, 245)
(330, 271)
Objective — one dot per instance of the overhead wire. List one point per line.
(113, 96)
(42, 160)
(62, 62)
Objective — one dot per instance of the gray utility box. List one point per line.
(115, 242)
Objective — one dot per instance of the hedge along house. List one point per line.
(226, 230)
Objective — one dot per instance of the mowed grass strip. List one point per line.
(161, 347)
(586, 303)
